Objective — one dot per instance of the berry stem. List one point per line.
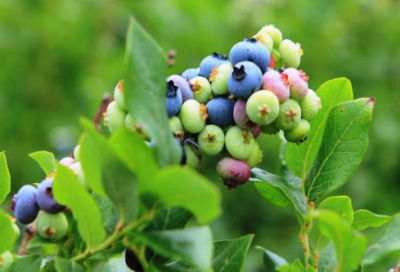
(30, 232)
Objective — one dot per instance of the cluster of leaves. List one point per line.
(140, 198)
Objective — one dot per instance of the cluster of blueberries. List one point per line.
(221, 107)
(37, 203)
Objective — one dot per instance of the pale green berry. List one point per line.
(176, 126)
(77, 153)
(52, 226)
(115, 117)
(77, 169)
(239, 143)
(270, 129)
(299, 133)
(193, 116)
(290, 53)
(6, 260)
(265, 40)
(310, 105)
(273, 32)
(289, 115)
(255, 156)
(201, 89)
(192, 156)
(262, 107)
(132, 124)
(219, 78)
(211, 140)
(119, 95)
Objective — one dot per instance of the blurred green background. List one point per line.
(59, 57)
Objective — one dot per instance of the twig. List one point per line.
(397, 267)
(30, 232)
(106, 100)
(171, 57)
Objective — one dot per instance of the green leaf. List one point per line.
(349, 246)
(278, 191)
(5, 179)
(192, 245)
(46, 161)
(118, 182)
(287, 174)
(344, 144)
(29, 263)
(301, 157)
(180, 186)
(296, 266)
(232, 257)
(169, 218)
(387, 241)
(327, 259)
(365, 219)
(46, 248)
(8, 237)
(271, 260)
(65, 265)
(145, 70)
(339, 204)
(137, 156)
(70, 192)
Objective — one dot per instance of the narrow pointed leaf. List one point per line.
(46, 161)
(286, 173)
(365, 219)
(271, 260)
(387, 242)
(70, 192)
(29, 263)
(145, 89)
(278, 191)
(5, 179)
(192, 245)
(339, 204)
(300, 157)
(233, 256)
(343, 147)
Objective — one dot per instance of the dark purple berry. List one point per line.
(233, 172)
(132, 261)
(45, 198)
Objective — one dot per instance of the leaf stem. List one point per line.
(114, 237)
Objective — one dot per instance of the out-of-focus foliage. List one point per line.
(59, 57)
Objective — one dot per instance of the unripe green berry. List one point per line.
(211, 140)
(299, 133)
(310, 105)
(265, 40)
(77, 153)
(52, 226)
(119, 95)
(239, 143)
(202, 89)
(115, 117)
(270, 129)
(6, 260)
(17, 232)
(273, 32)
(192, 156)
(77, 169)
(290, 53)
(289, 115)
(255, 156)
(176, 126)
(132, 124)
(262, 107)
(193, 116)
(219, 78)
(276, 55)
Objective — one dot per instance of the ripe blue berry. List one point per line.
(233, 172)
(211, 140)
(208, 63)
(201, 89)
(245, 79)
(219, 79)
(297, 83)
(115, 117)
(52, 226)
(190, 73)
(290, 53)
(250, 50)
(278, 84)
(299, 133)
(220, 111)
(45, 198)
(174, 99)
(119, 95)
(240, 115)
(310, 105)
(24, 204)
(289, 115)
(239, 143)
(183, 85)
(193, 116)
(262, 107)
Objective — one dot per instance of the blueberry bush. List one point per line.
(134, 200)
